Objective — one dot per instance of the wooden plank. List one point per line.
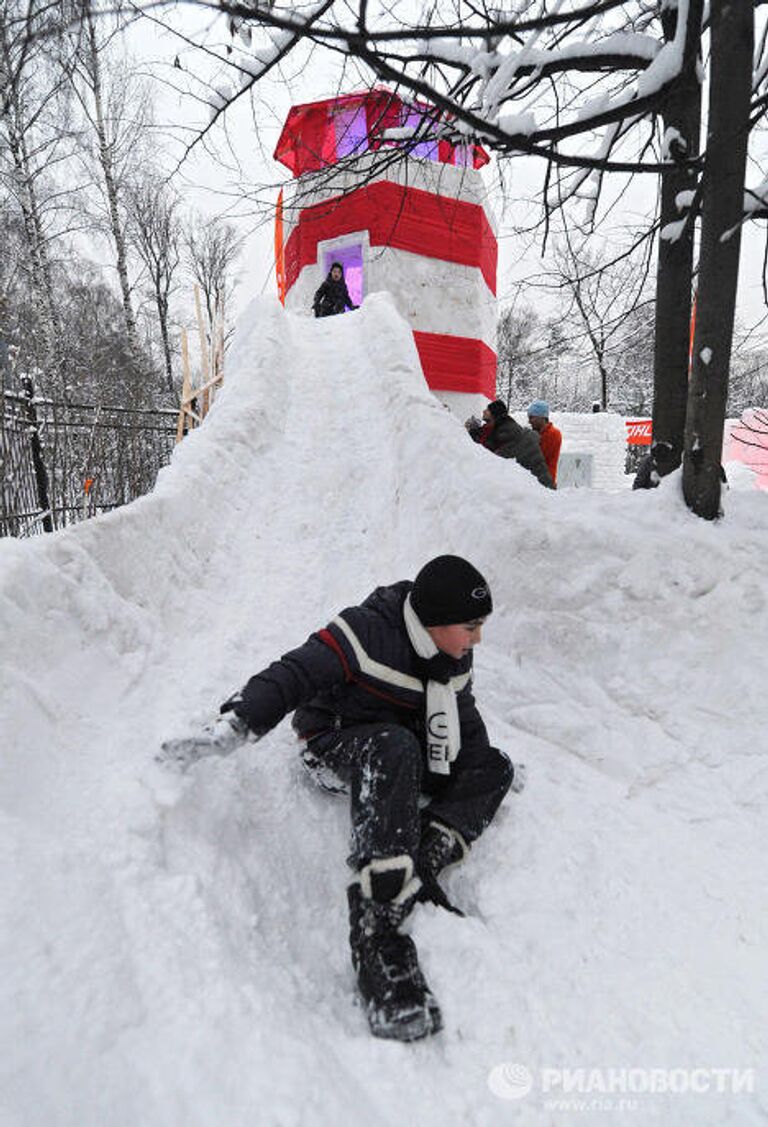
(204, 356)
(184, 387)
(219, 359)
(203, 387)
(192, 415)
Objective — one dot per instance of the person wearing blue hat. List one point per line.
(550, 438)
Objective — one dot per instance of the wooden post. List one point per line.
(218, 362)
(195, 402)
(41, 475)
(205, 363)
(186, 387)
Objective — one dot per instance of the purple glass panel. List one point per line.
(351, 259)
(426, 149)
(351, 131)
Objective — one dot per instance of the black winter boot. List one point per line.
(398, 1002)
(440, 847)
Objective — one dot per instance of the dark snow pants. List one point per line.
(383, 766)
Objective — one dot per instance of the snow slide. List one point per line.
(174, 948)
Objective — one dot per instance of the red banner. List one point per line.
(280, 249)
(397, 216)
(457, 363)
(639, 432)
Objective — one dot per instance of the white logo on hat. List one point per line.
(480, 593)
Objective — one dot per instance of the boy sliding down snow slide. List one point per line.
(382, 701)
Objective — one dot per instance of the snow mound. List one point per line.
(174, 949)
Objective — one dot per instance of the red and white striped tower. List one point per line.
(418, 226)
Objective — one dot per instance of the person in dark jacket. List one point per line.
(502, 435)
(382, 702)
(332, 296)
(653, 466)
(657, 463)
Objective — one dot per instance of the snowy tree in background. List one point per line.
(76, 185)
(598, 301)
(748, 384)
(212, 250)
(116, 118)
(522, 354)
(35, 139)
(157, 232)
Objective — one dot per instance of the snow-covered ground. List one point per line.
(174, 948)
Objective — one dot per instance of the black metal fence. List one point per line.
(64, 462)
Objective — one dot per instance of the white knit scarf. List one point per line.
(442, 713)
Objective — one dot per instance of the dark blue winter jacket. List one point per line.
(360, 669)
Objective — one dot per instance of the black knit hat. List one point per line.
(449, 590)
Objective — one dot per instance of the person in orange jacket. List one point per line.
(550, 437)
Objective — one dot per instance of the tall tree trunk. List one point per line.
(603, 383)
(40, 267)
(732, 44)
(110, 180)
(681, 116)
(162, 314)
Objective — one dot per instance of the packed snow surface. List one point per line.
(174, 948)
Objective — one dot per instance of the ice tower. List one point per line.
(416, 225)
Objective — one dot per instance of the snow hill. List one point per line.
(174, 949)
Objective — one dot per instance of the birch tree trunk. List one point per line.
(732, 44)
(40, 274)
(29, 119)
(92, 65)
